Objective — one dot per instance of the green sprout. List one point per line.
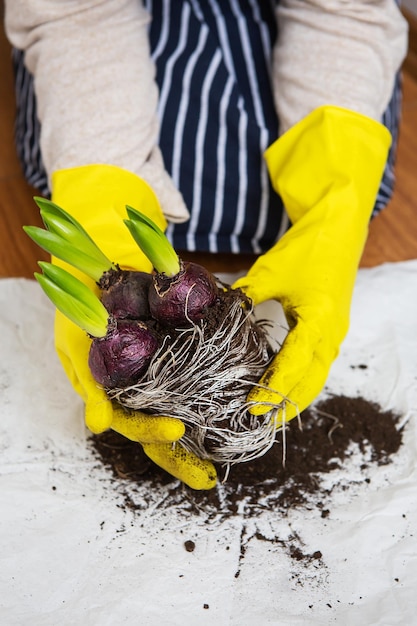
(153, 243)
(74, 299)
(67, 240)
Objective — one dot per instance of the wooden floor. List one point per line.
(393, 234)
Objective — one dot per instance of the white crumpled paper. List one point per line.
(71, 555)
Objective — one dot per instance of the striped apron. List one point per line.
(217, 116)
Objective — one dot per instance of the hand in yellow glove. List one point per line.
(327, 170)
(96, 196)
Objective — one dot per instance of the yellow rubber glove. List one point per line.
(327, 170)
(96, 196)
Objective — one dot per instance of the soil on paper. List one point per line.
(331, 436)
(328, 434)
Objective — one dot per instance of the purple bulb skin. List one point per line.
(126, 297)
(121, 357)
(182, 300)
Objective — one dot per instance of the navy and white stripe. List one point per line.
(27, 127)
(217, 115)
(390, 119)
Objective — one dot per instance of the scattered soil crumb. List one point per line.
(189, 545)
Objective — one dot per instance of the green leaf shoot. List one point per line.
(153, 243)
(74, 299)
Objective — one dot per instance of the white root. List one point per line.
(203, 378)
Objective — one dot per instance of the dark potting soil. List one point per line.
(332, 432)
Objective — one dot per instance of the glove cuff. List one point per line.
(331, 147)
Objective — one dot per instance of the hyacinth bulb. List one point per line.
(176, 301)
(123, 355)
(127, 295)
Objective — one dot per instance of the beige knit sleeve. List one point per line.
(95, 86)
(339, 52)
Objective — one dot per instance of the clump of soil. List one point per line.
(333, 431)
